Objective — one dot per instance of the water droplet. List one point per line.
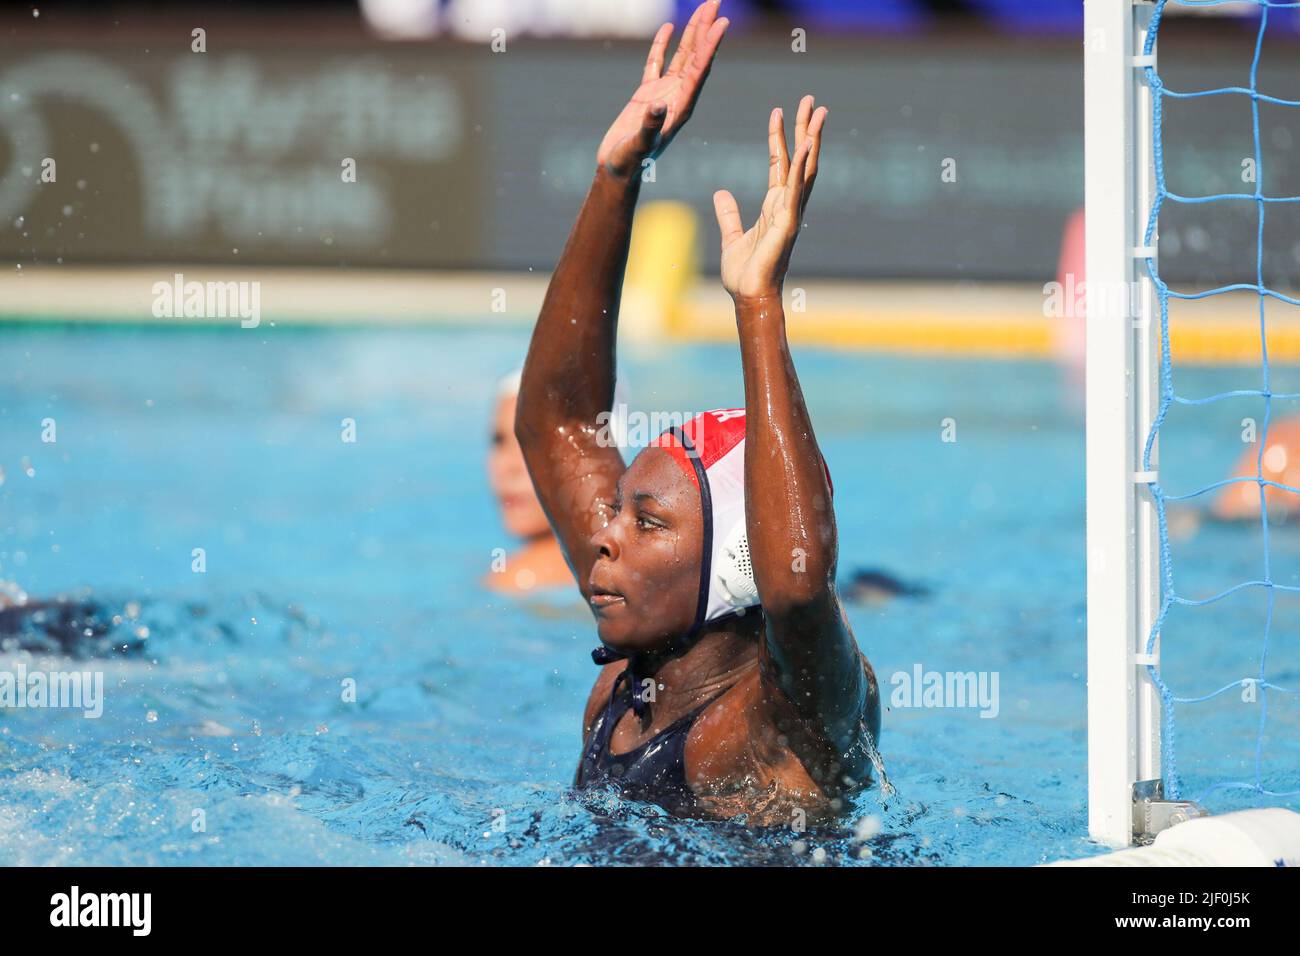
(866, 828)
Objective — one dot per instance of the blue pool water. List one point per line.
(329, 562)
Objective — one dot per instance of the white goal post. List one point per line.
(1123, 338)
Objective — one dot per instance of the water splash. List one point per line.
(867, 741)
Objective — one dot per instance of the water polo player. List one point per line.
(731, 681)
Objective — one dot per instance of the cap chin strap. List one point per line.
(642, 664)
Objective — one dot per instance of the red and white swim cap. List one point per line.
(710, 448)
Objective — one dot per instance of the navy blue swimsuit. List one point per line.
(654, 772)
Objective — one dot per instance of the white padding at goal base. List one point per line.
(1266, 837)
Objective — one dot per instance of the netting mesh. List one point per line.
(1259, 683)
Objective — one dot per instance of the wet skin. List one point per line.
(792, 704)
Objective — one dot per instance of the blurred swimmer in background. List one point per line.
(538, 565)
(539, 562)
(72, 627)
(1280, 463)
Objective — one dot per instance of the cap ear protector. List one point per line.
(710, 448)
(734, 572)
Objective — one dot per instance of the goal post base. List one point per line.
(1153, 814)
(1265, 837)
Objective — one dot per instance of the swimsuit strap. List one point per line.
(597, 748)
(631, 675)
(628, 701)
